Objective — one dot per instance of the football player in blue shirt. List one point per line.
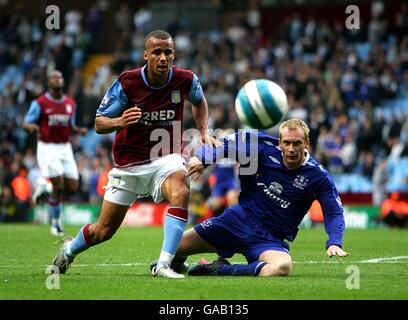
(273, 201)
(225, 189)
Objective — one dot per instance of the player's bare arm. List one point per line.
(80, 130)
(195, 168)
(31, 127)
(334, 250)
(107, 125)
(200, 114)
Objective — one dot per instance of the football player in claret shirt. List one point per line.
(53, 115)
(272, 203)
(145, 108)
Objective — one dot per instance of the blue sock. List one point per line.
(174, 225)
(80, 243)
(173, 232)
(251, 269)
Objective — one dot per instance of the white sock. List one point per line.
(68, 251)
(165, 258)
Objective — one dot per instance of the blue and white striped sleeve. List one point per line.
(33, 113)
(196, 93)
(114, 102)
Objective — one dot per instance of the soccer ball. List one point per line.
(261, 104)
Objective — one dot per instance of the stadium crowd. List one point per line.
(350, 86)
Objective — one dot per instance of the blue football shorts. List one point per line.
(230, 233)
(221, 189)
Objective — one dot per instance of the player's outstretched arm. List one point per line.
(334, 250)
(200, 114)
(80, 130)
(129, 117)
(212, 142)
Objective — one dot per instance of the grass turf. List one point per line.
(119, 269)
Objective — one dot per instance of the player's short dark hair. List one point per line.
(159, 34)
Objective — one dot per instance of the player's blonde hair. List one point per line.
(294, 124)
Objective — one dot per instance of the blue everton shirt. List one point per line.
(274, 196)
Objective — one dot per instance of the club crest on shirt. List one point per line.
(175, 96)
(207, 223)
(300, 181)
(68, 108)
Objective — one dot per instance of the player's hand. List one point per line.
(195, 168)
(130, 116)
(334, 250)
(33, 128)
(82, 131)
(212, 142)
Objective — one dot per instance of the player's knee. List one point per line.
(179, 196)
(71, 189)
(70, 192)
(57, 191)
(279, 268)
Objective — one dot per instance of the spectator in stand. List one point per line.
(8, 206)
(380, 178)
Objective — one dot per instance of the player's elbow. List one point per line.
(99, 126)
(27, 127)
(97, 130)
(105, 125)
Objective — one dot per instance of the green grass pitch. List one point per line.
(377, 268)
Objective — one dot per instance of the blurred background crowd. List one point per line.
(350, 86)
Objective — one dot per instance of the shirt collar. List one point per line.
(307, 157)
(50, 97)
(147, 83)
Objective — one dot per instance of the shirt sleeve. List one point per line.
(241, 147)
(114, 102)
(33, 113)
(333, 212)
(196, 93)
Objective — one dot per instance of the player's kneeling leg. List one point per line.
(278, 268)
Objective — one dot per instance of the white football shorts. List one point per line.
(127, 184)
(56, 159)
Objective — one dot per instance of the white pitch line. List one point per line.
(320, 262)
(82, 265)
(132, 264)
(385, 259)
(111, 265)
